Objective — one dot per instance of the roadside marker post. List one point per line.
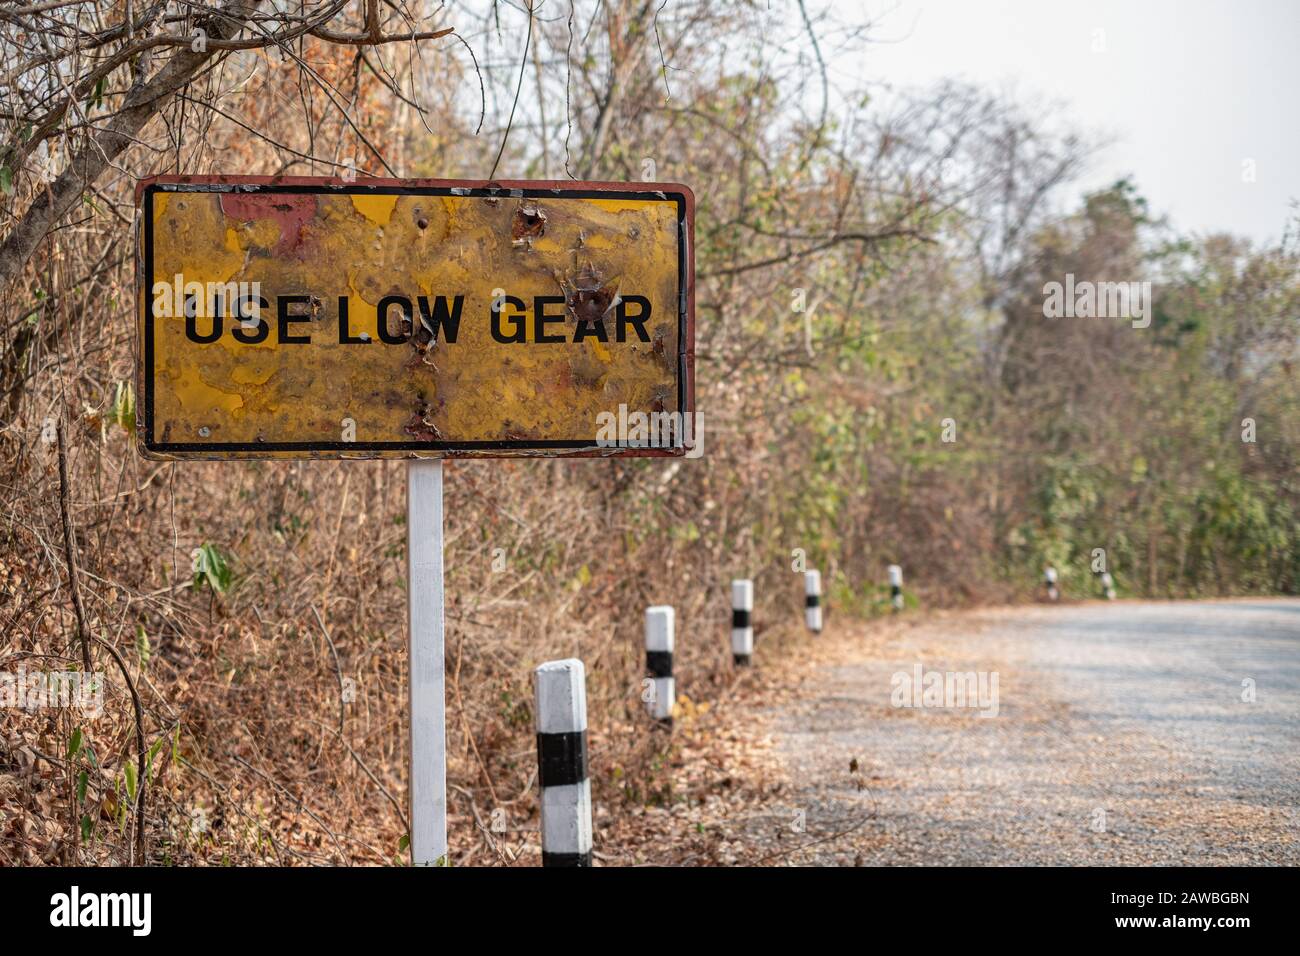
(812, 589)
(1049, 576)
(742, 625)
(896, 587)
(1107, 586)
(561, 708)
(660, 624)
(312, 318)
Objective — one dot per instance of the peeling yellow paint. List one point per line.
(248, 375)
(204, 400)
(378, 209)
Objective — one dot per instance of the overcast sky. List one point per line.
(1188, 90)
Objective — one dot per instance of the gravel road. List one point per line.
(1121, 736)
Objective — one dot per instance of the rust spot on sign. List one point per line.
(420, 426)
(289, 212)
(588, 298)
(528, 223)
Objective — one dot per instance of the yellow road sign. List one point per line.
(317, 318)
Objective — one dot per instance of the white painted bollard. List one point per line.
(660, 623)
(742, 627)
(812, 589)
(1049, 576)
(561, 707)
(1108, 585)
(896, 586)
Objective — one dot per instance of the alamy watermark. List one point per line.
(207, 300)
(937, 689)
(75, 908)
(639, 429)
(1098, 300)
(37, 690)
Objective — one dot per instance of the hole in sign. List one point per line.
(529, 223)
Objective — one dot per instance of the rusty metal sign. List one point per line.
(318, 318)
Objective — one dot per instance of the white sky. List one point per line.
(1187, 90)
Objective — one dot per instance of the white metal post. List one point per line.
(424, 601)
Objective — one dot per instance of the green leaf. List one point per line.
(85, 827)
(211, 568)
(151, 756)
(81, 786)
(403, 843)
(123, 410)
(142, 645)
(6, 179)
(74, 745)
(130, 781)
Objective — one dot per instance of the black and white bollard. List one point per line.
(742, 628)
(659, 627)
(812, 589)
(561, 707)
(1049, 577)
(1108, 585)
(896, 586)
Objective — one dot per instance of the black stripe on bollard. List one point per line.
(566, 859)
(659, 663)
(561, 759)
(742, 614)
(812, 600)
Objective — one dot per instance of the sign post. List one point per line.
(428, 695)
(313, 318)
